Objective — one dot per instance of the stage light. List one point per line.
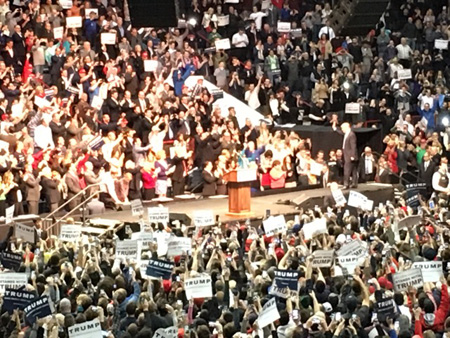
(445, 121)
(346, 85)
(192, 21)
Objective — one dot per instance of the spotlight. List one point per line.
(192, 21)
(346, 85)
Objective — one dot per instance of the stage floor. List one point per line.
(259, 204)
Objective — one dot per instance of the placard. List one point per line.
(159, 269)
(385, 307)
(17, 299)
(162, 239)
(66, 4)
(404, 74)
(431, 271)
(9, 214)
(413, 201)
(150, 65)
(38, 308)
(181, 24)
(265, 4)
(274, 225)
(282, 292)
(316, 168)
(322, 258)
(352, 108)
(353, 248)
(178, 246)
(339, 197)
(74, 22)
(269, 314)
(91, 329)
(356, 199)
(440, 44)
(316, 227)
(409, 222)
(170, 332)
(11, 260)
(348, 263)
(145, 238)
(88, 12)
(108, 38)
(12, 280)
(70, 233)
(26, 233)
(198, 287)
(97, 102)
(404, 279)
(413, 189)
(158, 215)
(58, 33)
(222, 44)
(41, 102)
(137, 209)
(286, 279)
(204, 218)
(223, 20)
(231, 1)
(283, 27)
(127, 249)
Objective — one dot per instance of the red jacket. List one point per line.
(440, 315)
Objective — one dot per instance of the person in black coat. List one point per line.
(209, 180)
(426, 170)
(113, 106)
(50, 189)
(350, 152)
(57, 63)
(19, 44)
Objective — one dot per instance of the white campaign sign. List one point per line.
(274, 225)
(348, 262)
(150, 65)
(322, 258)
(431, 271)
(170, 332)
(223, 44)
(70, 233)
(74, 21)
(25, 232)
(14, 280)
(162, 238)
(440, 44)
(316, 168)
(9, 214)
(97, 102)
(318, 226)
(66, 4)
(358, 200)
(108, 38)
(404, 74)
(158, 215)
(144, 237)
(88, 12)
(223, 20)
(127, 249)
(352, 108)
(284, 27)
(203, 218)
(58, 32)
(404, 279)
(137, 209)
(199, 287)
(178, 246)
(91, 329)
(353, 248)
(269, 314)
(339, 197)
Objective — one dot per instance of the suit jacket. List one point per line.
(362, 167)
(50, 190)
(32, 192)
(91, 178)
(19, 45)
(96, 207)
(384, 177)
(209, 184)
(73, 184)
(350, 150)
(145, 106)
(427, 175)
(113, 109)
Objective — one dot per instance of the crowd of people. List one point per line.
(79, 112)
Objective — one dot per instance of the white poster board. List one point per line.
(91, 329)
(66, 4)
(431, 271)
(58, 32)
(203, 218)
(9, 214)
(74, 22)
(12, 280)
(316, 227)
(108, 38)
(88, 12)
(440, 44)
(283, 27)
(127, 249)
(150, 65)
(339, 197)
(198, 287)
(352, 108)
(274, 225)
(269, 314)
(322, 258)
(348, 262)
(404, 279)
(223, 44)
(223, 20)
(404, 74)
(158, 215)
(137, 209)
(170, 332)
(70, 233)
(178, 246)
(97, 102)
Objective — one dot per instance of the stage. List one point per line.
(259, 204)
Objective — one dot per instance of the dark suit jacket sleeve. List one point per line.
(208, 177)
(351, 145)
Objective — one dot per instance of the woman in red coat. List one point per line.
(391, 155)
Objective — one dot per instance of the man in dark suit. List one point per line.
(426, 170)
(350, 153)
(32, 192)
(19, 44)
(209, 180)
(73, 186)
(383, 173)
(367, 166)
(50, 189)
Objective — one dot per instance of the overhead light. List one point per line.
(346, 85)
(192, 21)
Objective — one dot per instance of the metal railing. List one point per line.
(53, 225)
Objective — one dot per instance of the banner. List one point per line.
(413, 189)
(17, 299)
(70, 233)
(316, 227)
(203, 218)
(322, 258)
(12, 280)
(170, 332)
(286, 278)
(91, 329)
(38, 308)
(283, 27)
(404, 74)
(274, 225)
(150, 65)
(11, 260)
(159, 269)
(199, 287)
(74, 22)
(222, 44)
(126, 249)
(158, 215)
(404, 279)
(431, 271)
(58, 32)
(223, 20)
(178, 246)
(269, 314)
(25, 232)
(440, 44)
(108, 38)
(137, 209)
(339, 197)
(352, 108)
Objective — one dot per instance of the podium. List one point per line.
(239, 191)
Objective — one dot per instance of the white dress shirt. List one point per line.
(240, 40)
(327, 30)
(43, 137)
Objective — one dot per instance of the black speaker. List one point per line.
(153, 13)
